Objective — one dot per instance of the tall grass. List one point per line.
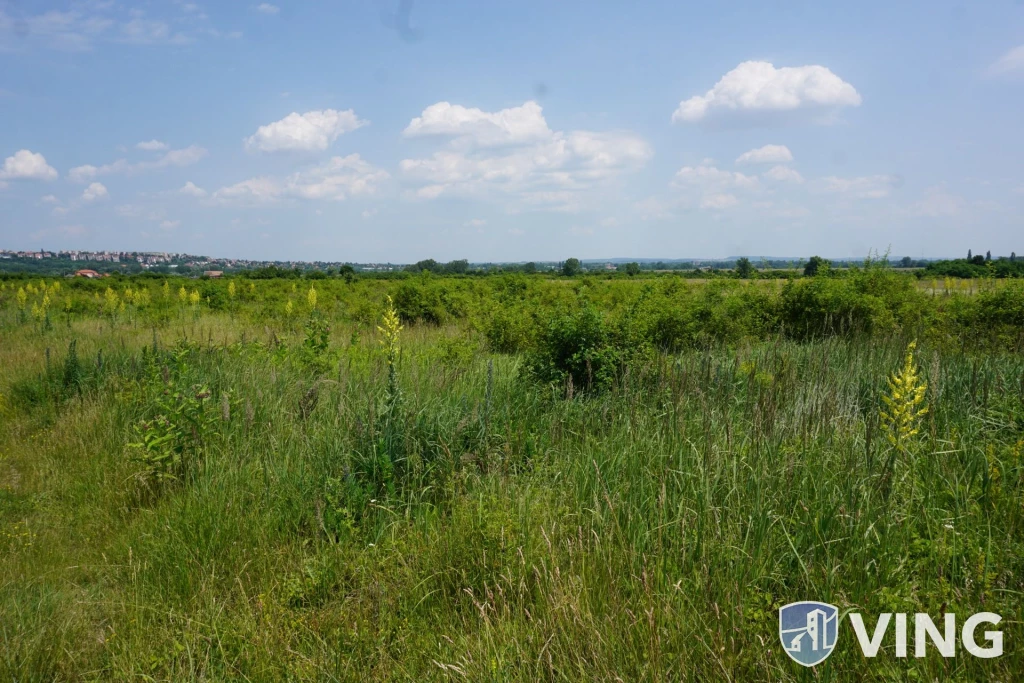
(646, 529)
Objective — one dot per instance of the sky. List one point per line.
(400, 130)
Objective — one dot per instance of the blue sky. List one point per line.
(390, 130)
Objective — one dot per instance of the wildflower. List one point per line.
(182, 294)
(231, 290)
(390, 327)
(289, 308)
(311, 298)
(194, 298)
(904, 402)
(22, 298)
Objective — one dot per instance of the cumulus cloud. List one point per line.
(169, 225)
(513, 153)
(709, 187)
(754, 87)
(769, 154)
(192, 190)
(94, 191)
(313, 131)
(173, 158)
(50, 199)
(267, 8)
(515, 125)
(336, 180)
(1011, 62)
(783, 174)
(710, 177)
(475, 223)
(369, 213)
(26, 165)
(864, 187)
(152, 146)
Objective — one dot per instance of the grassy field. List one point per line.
(514, 479)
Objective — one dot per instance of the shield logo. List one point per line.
(808, 631)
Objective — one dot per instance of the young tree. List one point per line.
(571, 267)
(632, 268)
(816, 266)
(744, 268)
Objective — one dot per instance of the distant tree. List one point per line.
(906, 262)
(816, 266)
(744, 268)
(978, 260)
(530, 267)
(458, 267)
(347, 272)
(969, 257)
(571, 267)
(988, 255)
(632, 268)
(1013, 257)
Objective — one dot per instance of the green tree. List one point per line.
(632, 268)
(816, 266)
(571, 267)
(744, 268)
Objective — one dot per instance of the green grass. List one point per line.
(486, 526)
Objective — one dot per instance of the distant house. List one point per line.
(214, 273)
(87, 273)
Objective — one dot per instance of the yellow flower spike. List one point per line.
(904, 402)
(390, 328)
(22, 298)
(182, 294)
(311, 297)
(231, 290)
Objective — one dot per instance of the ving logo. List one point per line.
(808, 631)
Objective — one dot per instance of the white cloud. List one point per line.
(760, 87)
(313, 131)
(513, 153)
(864, 187)
(94, 191)
(580, 231)
(169, 225)
(1012, 61)
(192, 190)
(335, 180)
(50, 199)
(783, 174)
(369, 213)
(515, 125)
(769, 154)
(152, 146)
(475, 223)
(711, 177)
(175, 157)
(718, 201)
(26, 165)
(267, 8)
